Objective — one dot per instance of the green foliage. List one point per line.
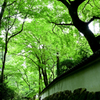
(37, 45)
(66, 65)
(6, 92)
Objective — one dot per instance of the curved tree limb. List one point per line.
(81, 25)
(12, 23)
(16, 33)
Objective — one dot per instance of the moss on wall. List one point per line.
(78, 94)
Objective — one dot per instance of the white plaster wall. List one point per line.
(88, 78)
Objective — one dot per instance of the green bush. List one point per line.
(6, 93)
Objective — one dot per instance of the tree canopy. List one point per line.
(41, 39)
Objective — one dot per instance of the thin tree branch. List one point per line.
(13, 23)
(11, 16)
(85, 5)
(36, 38)
(65, 24)
(24, 79)
(95, 4)
(30, 38)
(53, 29)
(60, 27)
(93, 19)
(18, 31)
(11, 3)
(26, 57)
(62, 24)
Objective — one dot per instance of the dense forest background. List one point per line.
(41, 39)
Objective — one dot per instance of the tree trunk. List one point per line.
(45, 76)
(83, 27)
(2, 10)
(40, 78)
(58, 70)
(80, 25)
(4, 60)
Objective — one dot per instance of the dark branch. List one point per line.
(36, 38)
(85, 5)
(96, 5)
(11, 3)
(62, 24)
(65, 24)
(60, 27)
(12, 24)
(93, 19)
(24, 78)
(18, 31)
(76, 3)
(2, 10)
(11, 16)
(70, 4)
(53, 29)
(26, 57)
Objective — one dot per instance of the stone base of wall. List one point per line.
(78, 94)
